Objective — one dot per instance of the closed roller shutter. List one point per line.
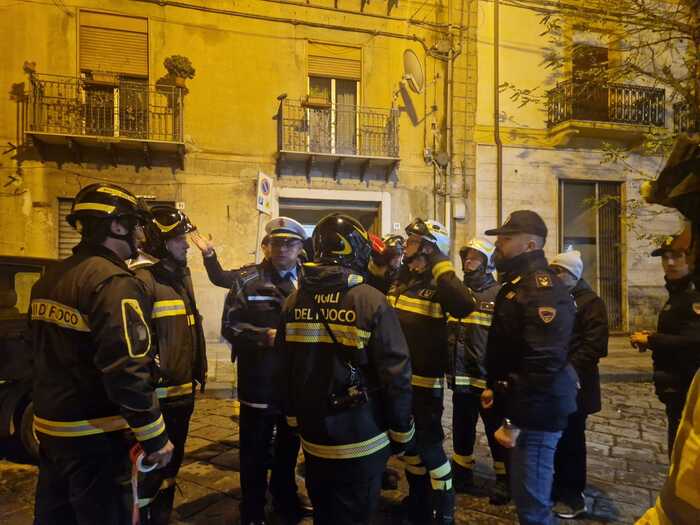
(113, 43)
(331, 61)
(67, 235)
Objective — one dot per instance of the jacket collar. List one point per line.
(328, 277)
(86, 249)
(479, 280)
(522, 264)
(680, 285)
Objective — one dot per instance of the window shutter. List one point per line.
(67, 235)
(113, 43)
(331, 61)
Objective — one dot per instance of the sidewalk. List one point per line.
(624, 364)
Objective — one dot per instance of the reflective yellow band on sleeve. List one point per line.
(146, 432)
(168, 308)
(441, 268)
(427, 382)
(441, 484)
(313, 332)
(418, 306)
(402, 437)
(478, 318)
(470, 381)
(59, 314)
(292, 422)
(349, 451)
(87, 427)
(174, 391)
(463, 461)
(499, 467)
(191, 320)
(442, 471)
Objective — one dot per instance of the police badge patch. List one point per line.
(543, 280)
(696, 308)
(547, 314)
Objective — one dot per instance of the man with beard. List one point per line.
(675, 346)
(348, 375)
(588, 345)
(467, 377)
(93, 367)
(251, 315)
(180, 349)
(425, 293)
(526, 359)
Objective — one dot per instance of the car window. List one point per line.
(23, 287)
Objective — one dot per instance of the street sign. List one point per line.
(264, 199)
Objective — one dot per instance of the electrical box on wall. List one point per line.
(180, 205)
(459, 210)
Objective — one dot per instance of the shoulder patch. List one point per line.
(510, 295)
(696, 308)
(547, 314)
(543, 280)
(486, 306)
(516, 280)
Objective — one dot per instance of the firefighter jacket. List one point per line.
(178, 336)
(679, 499)
(528, 344)
(348, 436)
(423, 302)
(253, 306)
(676, 344)
(466, 337)
(588, 344)
(93, 356)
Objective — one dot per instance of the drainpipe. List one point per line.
(496, 115)
(447, 170)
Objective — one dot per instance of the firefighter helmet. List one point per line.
(104, 201)
(340, 239)
(484, 247)
(394, 245)
(432, 232)
(167, 223)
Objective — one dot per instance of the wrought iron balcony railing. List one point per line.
(683, 120)
(338, 130)
(124, 109)
(620, 103)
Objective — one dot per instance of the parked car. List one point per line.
(17, 276)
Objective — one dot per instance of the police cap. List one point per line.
(284, 227)
(521, 221)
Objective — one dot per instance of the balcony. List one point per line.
(614, 111)
(316, 135)
(129, 121)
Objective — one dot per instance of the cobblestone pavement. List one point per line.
(627, 463)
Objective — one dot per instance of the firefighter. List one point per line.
(217, 275)
(526, 360)
(588, 345)
(425, 292)
(676, 342)
(180, 346)
(467, 377)
(348, 372)
(251, 315)
(93, 367)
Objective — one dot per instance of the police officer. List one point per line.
(588, 345)
(675, 345)
(348, 373)
(180, 346)
(467, 373)
(217, 275)
(526, 355)
(251, 315)
(426, 291)
(93, 367)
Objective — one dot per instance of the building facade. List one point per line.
(366, 107)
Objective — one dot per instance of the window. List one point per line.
(114, 65)
(334, 74)
(309, 211)
(590, 223)
(589, 65)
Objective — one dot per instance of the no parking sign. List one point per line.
(264, 199)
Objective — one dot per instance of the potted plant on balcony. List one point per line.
(179, 69)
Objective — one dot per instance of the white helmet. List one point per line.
(482, 246)
(433, 232)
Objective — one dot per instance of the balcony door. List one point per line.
(332, 115)
(589, 67)
(590, 222)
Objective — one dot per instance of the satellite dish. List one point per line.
(413, 71)
(409, 108)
